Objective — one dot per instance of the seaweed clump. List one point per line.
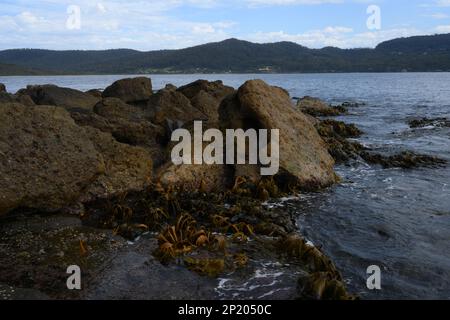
(324, 282)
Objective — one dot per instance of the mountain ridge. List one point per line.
(419, 53)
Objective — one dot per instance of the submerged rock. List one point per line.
(426, 122)
(37, 250)
(406, 159)
(322, 286)
(133, 90)
(329, 127)
(336, 134)
(61, 97)
(317, 108)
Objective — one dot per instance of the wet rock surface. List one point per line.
(336, 134)
(428, 122)
(405, 159)
(101, 164)
(317, 108)
(37, 249)
(340, 136)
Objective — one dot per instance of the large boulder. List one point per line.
(195, 177)
(127, 124)
(304, 159)
(130, 90)
(95, 93)
(127, 168)
(172, 109)
(6, 97)
(207, 96)
(62, 97)
(48, 162)
(114, 108)
(24, 99)
(2, 87)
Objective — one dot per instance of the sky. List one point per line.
(173, 24)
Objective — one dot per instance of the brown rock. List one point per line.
(207, 96)
(2, 87)
(61, 97)
(192, 178)
(405, 159)
(95, 93)
(170, 86)
(168, 106)
(127, 168)
(24, 99)
(47, 162)
(6, 97)
(127, 124)
(317, 108)
(114, 108)
(304, 160)
(130, 90)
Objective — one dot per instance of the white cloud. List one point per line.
(341, 37)
(443, 29)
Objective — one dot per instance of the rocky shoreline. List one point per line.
(82, 173)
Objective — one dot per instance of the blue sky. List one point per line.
(171, 24)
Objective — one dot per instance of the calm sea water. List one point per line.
(396, 219)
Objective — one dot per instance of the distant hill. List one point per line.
(424, 53)
(14, 70)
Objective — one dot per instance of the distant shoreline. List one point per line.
(216, 73)
(233, 56)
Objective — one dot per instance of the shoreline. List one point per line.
(189, 216)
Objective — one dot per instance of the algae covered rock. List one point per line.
(317, 108)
